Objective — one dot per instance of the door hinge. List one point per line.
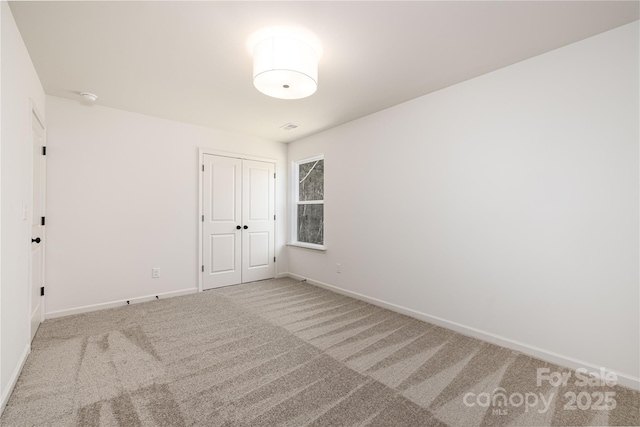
(203, 268)
(42, 220)
(44, 150)
(274, 259)
(42, 291)
(274, 217)
(274, 176)
(202, 218)
(202, 168)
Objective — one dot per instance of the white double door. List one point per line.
(238, 203)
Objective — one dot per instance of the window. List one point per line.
(308, 227)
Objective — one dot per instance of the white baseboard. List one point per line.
(6, 394)
(548, 356)
(120, 303)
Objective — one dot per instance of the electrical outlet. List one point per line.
(155, 273)
(338, 268)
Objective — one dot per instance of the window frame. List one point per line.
(295, 198)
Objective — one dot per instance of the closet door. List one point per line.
(238, 221)
(222, 221)
(258, 208)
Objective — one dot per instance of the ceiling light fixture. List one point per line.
(285, 63)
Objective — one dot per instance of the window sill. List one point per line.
(316, 248)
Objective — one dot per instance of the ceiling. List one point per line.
(188, 61)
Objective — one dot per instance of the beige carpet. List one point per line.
(284, 353)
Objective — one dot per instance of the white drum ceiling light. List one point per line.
(285, 63)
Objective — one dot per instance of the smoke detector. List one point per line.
(90, 97)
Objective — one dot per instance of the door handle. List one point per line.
(245, 227)
(37, 240)
(238, 227)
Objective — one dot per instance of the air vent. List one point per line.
(289, 126)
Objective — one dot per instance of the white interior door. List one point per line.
(258, 221)
(37, 226)
(222, 226)
(238, 222)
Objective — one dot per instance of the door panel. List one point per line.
(259, 192)
(222, 205)
(223, 250)
(37, 228)
(259, 209)
(259, 249)
(226, 186)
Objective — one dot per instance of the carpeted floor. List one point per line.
(284, 353)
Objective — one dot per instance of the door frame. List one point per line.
(201, 153)
(38, 120)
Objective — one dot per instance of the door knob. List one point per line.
(37, 240)
(238, 227)
(245, 227)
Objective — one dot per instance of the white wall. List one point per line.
(20, 85)
(505, 206)
(122, 198)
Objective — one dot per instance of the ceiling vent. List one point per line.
(289, 126)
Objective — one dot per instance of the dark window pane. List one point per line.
(311, 224)
(311, 184)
